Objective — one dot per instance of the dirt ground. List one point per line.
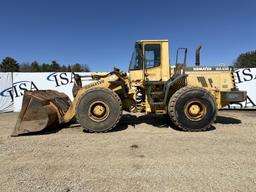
(142, 154)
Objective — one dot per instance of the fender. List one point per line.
(174, 79)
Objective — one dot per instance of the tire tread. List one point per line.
(117, 98)
(172, 112)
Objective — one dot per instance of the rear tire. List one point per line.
(192, 109)
(99, 110)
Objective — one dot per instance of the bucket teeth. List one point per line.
(40, 110)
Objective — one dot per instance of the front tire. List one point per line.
(99, 110)
(192, 109)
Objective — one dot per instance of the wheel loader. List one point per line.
(190, 97)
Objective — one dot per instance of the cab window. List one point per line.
(152, 55)
(136, 63)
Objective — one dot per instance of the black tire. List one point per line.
(108, 101)
(192, 109)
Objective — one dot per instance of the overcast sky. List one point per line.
(102, 33)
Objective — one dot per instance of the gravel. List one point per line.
(142, 154)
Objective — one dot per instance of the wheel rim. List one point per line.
(195, 110)
(98, 111)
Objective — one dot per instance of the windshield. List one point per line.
(135, 63)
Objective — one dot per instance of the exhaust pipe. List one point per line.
(198, 55)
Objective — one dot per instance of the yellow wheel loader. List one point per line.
(189, 96)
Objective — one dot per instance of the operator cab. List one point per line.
(149, 62)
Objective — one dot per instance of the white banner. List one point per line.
(62, 82)
(246, 81)
(6, 101)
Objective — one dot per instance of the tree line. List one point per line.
(246, 60)
(9, 64)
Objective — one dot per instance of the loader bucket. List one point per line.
(40, 110)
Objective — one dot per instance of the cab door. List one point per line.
(152, 62)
